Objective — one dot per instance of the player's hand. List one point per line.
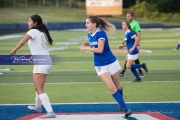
(82, 47)
(131, 50)
(13, 52)
(121, 46)
(85, 44)
(138, 47)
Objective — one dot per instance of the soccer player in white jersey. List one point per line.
(38, 38)
(106, 64)
(132, 41)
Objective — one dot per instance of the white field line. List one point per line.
(95, 103)
(123, 61)
(123, 55)
(69, 83)
(9, 37)
(83, 70)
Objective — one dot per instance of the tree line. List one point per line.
(162, 6)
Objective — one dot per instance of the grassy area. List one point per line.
(73, 78)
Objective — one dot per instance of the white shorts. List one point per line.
(43, 69)
(132, 57)
(111, 68)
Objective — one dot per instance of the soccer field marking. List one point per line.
(141, 111)
(10, 37)
(64, 83)
(82, 70)
(94, 103)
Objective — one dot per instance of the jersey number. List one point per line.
(44, 41)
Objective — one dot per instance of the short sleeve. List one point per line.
(132, 34)
(31, 33)
(101, 35)
(137, 27)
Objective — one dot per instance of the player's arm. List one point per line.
(99, 49)
(135, 43)
(123, 44)
(20, 44)
(139, 36)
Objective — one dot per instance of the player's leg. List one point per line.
(121, 74)
(114, 70)
(106, 79)
(38, 103)
(178, 45)
(39, 76)
(140, 73)
(39, 81)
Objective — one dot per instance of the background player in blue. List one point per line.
(106, 64)
(132, 41)
(178, 45)
(137, 29)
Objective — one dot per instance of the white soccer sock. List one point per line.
(38, 102)
(45, 101)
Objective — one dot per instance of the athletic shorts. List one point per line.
(111, 68)
(43, 69)
(132, 57)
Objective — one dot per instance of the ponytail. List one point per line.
(41, 27)
(108, 27)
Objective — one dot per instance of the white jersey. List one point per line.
(38, 43)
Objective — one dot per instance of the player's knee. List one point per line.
(128, 66)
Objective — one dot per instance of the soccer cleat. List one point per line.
(119, 107)
(121, 75)
(175, 49)
(141, 74)
(145, 67)
(39, 110)
(48, 115)
(137, 80)
(128, 112)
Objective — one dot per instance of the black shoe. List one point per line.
(145, 67)
(137, 80)
(141, 74)
(119, 107)
(121, 75)
(128, 112)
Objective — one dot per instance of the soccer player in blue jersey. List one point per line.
(106, 64)
(132, 41)
(178, 46)
(137, 29)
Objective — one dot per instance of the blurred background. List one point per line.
(146, 11)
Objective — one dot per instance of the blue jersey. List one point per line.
(129, 39)
(106, 57)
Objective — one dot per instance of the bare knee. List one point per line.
(112, 89)
(128, 66)
(39, 90)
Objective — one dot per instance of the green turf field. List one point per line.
(73, 78)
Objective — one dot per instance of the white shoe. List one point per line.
(48, 115)
(39, 110)
(175, 49)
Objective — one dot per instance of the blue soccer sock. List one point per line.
(178, 46)
(135, 73)
(117, 96)
(121, 91)
(136, 66)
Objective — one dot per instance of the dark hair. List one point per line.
(110, 28)
(128, 24)
(131, 13)
(41, 27)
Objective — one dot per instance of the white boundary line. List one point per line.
(80, 70)
(94, 103)
(82, 83)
